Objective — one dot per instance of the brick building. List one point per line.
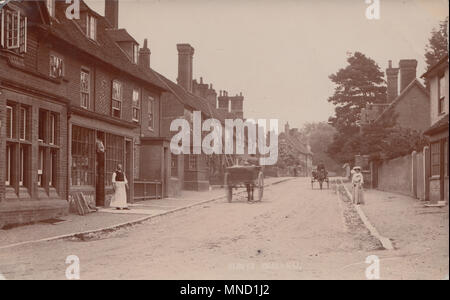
(438, 78)
(77, 98)
(33, 120)
(407, 100)
(191, 171)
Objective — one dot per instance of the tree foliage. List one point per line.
(437, 46)
(359, 83)
(319, 136)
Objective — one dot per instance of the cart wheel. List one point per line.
(228, 189)
(259, 187)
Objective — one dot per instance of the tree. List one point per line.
(437, 46)
(359, 83)
(319, 137)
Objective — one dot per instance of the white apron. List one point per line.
(119, 199)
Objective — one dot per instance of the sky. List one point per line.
(278, 53)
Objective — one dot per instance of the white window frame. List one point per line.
(136, 105)
(135, 54)
(116, 98)
(86, 91)
(91, 27)
(40, 171)
(52, 137)
(23, 122)
(151, 113)
(18, 38)
(10, 110)
(57, 60)
(8, 166)
(51, 7)
(22, 164)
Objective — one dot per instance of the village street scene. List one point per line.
(224, 140)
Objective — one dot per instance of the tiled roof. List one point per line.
(441, 63)
(439, 126)
(413, 83)
(120, 35)
(193, 101)
(103, 49)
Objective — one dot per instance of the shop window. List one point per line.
(9, 164)
(83, 157)
(10, 121)
(53, 129)
(114, 155)
(41, 166)
(53, 171)
(23, 130)
(23, 165)
(41, 126)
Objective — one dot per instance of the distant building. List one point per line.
(438, 77)
(292, 145)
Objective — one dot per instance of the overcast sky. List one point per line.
(279, 53)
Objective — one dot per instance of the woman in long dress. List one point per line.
(358, 182)
(119, 182)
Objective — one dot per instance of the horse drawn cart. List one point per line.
(320, 176)
(249, 177)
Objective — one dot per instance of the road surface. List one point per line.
(295, 233)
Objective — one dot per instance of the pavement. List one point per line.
(109, 218)
(414, 229)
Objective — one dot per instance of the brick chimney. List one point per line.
(112, 12)
(407, 72)
(185, 59)
(144, 55)
(392, 82)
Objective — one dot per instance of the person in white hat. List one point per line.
(357, 182)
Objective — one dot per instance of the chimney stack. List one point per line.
(144, 55)
(407, 72)
(392, 82)
(112, 12)
(185, 59)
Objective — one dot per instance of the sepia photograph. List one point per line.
(224, 148)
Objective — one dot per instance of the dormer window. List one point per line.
(13, 30)
(51, 7)
(135, 53)
(91, 27)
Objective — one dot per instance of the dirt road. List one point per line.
(295, 233)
